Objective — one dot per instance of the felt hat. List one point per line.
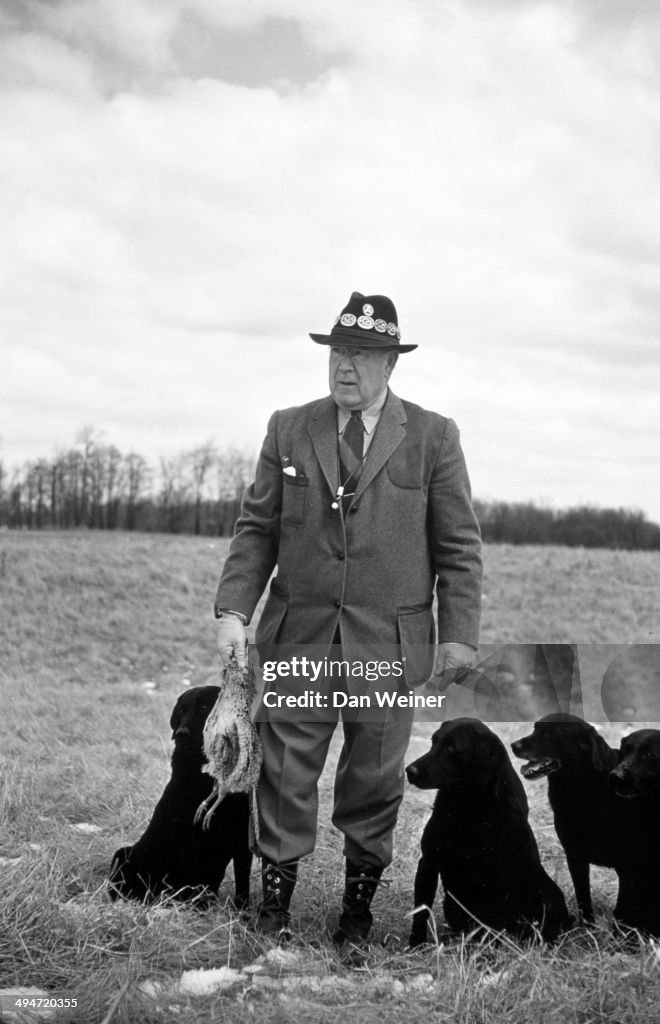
(367, 321)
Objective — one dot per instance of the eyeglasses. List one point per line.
(356, 355)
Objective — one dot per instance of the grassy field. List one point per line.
(86, 620)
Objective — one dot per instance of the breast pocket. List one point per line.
(294, 500)
(405, 470)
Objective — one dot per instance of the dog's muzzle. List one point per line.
(537, 769)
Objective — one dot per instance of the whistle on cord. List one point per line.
(338, 498)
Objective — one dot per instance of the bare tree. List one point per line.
(174, 493)
(136, 482)
(114, 476)
(3, 501)
(56, 497)
(235, 469)
(201, 460)
(39, 475)
(88, 441)
(15, 516)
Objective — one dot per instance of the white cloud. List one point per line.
(171, 239)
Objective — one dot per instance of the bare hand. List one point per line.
(452, 660)
(232, 639)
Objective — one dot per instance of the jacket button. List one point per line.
(341, 556)
(337, 603)
(354, 509)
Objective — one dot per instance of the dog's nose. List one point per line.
(515, 746)
(181, 732)
(412, 771)
(620, 780)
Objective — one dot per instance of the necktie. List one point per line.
(351, 445)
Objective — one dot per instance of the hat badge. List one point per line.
(366, 321)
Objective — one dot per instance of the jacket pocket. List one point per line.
(294, 500)
(416, 630)
(405, 472)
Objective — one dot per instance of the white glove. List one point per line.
(232, 639)
(451, 660)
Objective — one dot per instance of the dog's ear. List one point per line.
(175, 713)
(509, 790)
(599, 751)
(489, 758)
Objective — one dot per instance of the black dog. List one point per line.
(636, 783)
(175, 857)
(588, 818)
(478, 840)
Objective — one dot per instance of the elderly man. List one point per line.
(362, 502)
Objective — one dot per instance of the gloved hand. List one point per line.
(232, 639)
(451, 660)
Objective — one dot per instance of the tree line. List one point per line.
(94, 485)
(584, 526)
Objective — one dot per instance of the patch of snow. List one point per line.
(194, 983)
(419, 982)
(284, 957)
(203, 982)
(152, 989)
(293, 986)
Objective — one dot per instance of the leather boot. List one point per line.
(278, 881)
(356, 919)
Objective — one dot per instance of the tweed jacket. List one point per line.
(370, 570)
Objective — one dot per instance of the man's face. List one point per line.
(358, 375)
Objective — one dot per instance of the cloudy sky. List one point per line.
(188, 187)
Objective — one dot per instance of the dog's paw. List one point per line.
(418, 939)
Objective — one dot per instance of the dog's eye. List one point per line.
(649, 755)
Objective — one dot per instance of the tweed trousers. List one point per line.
(369, 779)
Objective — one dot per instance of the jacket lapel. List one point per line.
(390, 432)
(323, 432)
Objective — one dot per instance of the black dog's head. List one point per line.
(562, 742)
(638, 771)
(188, 717)
(464, 753)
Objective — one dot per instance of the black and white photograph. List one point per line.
(329, 511)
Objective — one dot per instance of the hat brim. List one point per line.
(358, 339)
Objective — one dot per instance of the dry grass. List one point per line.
(570, 595)
(85, 621)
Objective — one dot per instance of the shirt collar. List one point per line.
(370, 415)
